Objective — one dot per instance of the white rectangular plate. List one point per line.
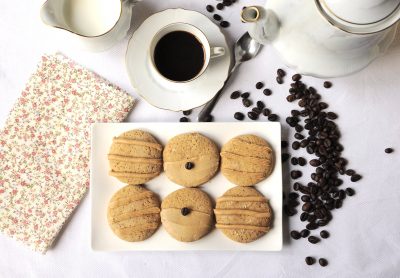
(103, 186)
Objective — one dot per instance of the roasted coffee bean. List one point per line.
(293, 203)
(185, 211)
(299, 128)
(273, 117)
(311, 219)
(266, 112)
(296, 77)
(304, 233)
(285, 157)
(323, 262)
(304, 216)
(284, 144)
(252, 115)
(294, 161)
(189, 165)
(327, 84)
(267, 92)
(350, 191)
(295, 235)
(281, 72)
(295, 174)
(296, 186)
(209, 8)
(312, 226)
(217, 17)
(259, 85)
(183, 120)
(310, 260)
(224, 24)
(246, 102)
(313, 239)
(227, 3)
(338, 204)
(324, 234)
(235, 95)
(220, 6)
(306, 207)
(289, 211)
(315, 162)
(260, 104)
(293, 195)
(302, 161)
(355, 177)
(322, 223)
(291, 98)
(305, 198)
(298, 136)
(389, 150)
(256, 110)
(245, 95)
(279, 80)
(331, 115)
(187, 112)
(239, 116)
(295, 145)
(304, 143)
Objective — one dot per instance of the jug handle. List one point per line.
(49, 16)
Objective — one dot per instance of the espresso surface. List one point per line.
(179, 56)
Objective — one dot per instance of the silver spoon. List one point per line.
(245, 49)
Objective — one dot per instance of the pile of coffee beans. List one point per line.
(220, 6)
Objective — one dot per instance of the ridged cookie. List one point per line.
(134, 213)
(135, 157)
(243, 214)
(187, 214)
(246, 160)
(190, 159)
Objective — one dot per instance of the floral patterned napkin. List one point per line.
(45, 145)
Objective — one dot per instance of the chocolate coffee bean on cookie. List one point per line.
(135, 157)
(246, 160)
(190, 159)
(187, 214)
(243, 214)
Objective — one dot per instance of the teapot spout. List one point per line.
(263, 25)
(50, 14)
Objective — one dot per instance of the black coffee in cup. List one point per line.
(179, 56)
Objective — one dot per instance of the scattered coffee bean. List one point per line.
(304, 233)
(273, 117)
(252, 116)
(324, 234)
(220, 6)
(183, 120)
(294, 161)
(279, 80)
(185, 211)
(295, 174)
(224, 24)
(355, 177)
(310, 260)
(245, 95)
(267, 92)
(256, 110)
(350, 172)
(285, 157)
(293, 195)
(266, 112)
(323, 262)
(260, 104)
(304, 216)
(389, 150)
(239, 116)
(295, 235)
(187, 112)
(209, 8)
(313, 239)
(350, 191)
(331, 115)
(315, 162)
(295, 145)
(227, 3)
(281, 72)
(259, 85)
(296, 77)
(327, 84)
(302, 161)
(246, 102)
(217, 17)
(284, 144)
(235, 95)
(189, 165)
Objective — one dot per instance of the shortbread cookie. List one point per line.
(187, 214)
(190, 159)
(134, 213)
(246, 160)
(243, 214)
(135, 157)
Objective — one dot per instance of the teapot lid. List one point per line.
(378, 14)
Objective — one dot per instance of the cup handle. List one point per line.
(217, 51)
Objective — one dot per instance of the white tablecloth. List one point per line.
(365, 234)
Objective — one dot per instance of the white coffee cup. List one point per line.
(210, 52)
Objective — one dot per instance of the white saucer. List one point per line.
(183, 96)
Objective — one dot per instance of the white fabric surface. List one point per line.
(365, 234)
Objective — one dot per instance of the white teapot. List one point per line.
(325, 38)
